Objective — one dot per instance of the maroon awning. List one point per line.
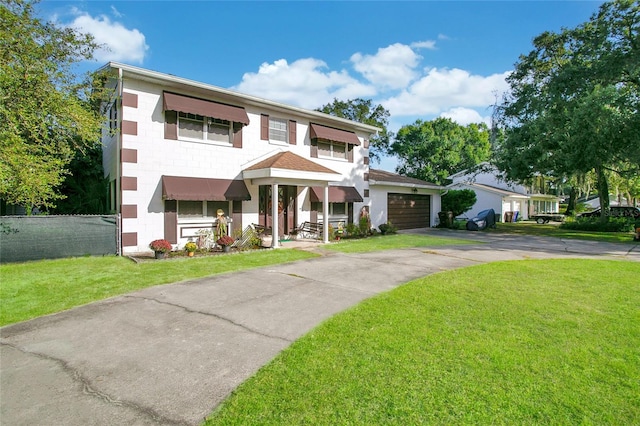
(329, 133)
(173, 102)
(337, 194)
(203, 189)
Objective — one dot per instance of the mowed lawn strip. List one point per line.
(393, 241)
(517, 342)
(553, 230)
(32, 289)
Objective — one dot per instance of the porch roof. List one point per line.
(287, 167)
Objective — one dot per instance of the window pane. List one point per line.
(189, 128)
(218, 132)
(324, 149)
(213, 206)
(339, 208)
(277, 129)
(339, 150)
(190, 208)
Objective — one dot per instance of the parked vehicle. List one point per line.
(615, 211)
(547, 217)
(484, 219)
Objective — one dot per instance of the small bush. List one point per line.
(387, 228)
(353, 230)
(594, 224)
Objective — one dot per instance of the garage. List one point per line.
(409, 211)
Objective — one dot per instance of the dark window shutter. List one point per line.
(171, 125)
(236, 215)
(314, 216)
(171, 221)
(366, 177)
(350, 153)
(314, 148)
(264, 127)
(350, 212)
(237, 135)
(366, 160)
(292, 132)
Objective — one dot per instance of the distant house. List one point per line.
(177, 151)
(507, 198)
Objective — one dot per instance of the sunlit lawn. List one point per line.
(32, 289)
(393, 241)
(521, 342)
(553, 230)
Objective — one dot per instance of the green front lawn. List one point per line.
(393, 241)
(553, 230)
(520, 342)
(33, 289)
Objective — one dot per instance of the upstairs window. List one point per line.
(329, 149)
(278, 130)
(197, 127)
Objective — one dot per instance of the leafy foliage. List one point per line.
(434, 150)
(574, 101)
(45, 115)
(363, 111)
(458, 201)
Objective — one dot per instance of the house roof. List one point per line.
(383, 177)
(169, 81)
(492, 189)
(290, 161)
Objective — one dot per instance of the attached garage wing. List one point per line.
(409, 211)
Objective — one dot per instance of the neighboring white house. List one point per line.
(508, 199)
(176, 151)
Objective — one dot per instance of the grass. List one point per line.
(519, 342)
(552, 230)
(32, 289)
(393, 241)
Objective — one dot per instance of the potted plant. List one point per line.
(225, 242)
(190, 248)
(160, 247)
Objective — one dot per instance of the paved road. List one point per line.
(168, 355)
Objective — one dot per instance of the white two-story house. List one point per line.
(176, 151)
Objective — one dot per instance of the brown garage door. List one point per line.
(409, 211)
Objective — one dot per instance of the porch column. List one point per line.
(275, 243)
(325, 215)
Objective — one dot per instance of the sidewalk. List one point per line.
(167, 355)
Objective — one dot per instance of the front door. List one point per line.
(287, 207)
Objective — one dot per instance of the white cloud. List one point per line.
(304, 83)
(427, 44)
(464, 116)
(442, 89)
(392, 67)
(118, 43)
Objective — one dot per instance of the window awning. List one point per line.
(203, 189)
(173, 102)
(337, 194)
(331, 134)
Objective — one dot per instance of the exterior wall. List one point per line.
(143, 136)
(378, 202)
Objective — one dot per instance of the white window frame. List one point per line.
(276, 125)
(335, 148)
(206, 121)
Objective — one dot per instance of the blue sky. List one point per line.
(419, 59)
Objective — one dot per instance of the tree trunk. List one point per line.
(603, 193)
(573, 198)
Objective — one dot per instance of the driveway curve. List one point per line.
(168, 355)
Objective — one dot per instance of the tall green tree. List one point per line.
(574, 101)
(364, 111)
(434, 150)
(45, 116)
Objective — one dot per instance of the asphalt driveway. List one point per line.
(169, 354)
